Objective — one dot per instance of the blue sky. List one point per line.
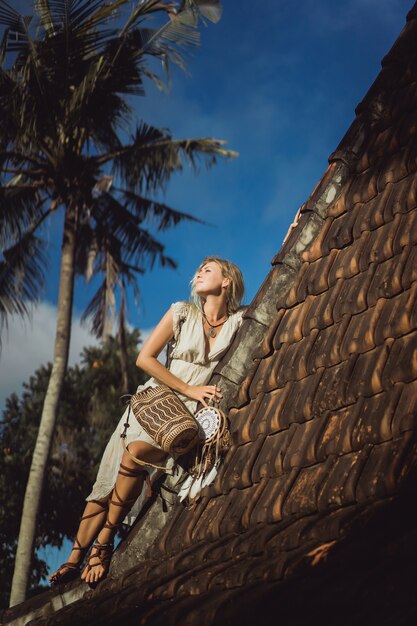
(279, 81)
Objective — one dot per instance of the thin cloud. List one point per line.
(28, 345)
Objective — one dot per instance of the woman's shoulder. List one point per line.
(182, 311)
(238, 315)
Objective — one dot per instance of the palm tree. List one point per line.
(67, 79)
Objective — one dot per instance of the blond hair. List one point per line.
(235, 289)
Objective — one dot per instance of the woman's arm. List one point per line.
(148, 361)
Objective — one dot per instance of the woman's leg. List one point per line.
(92, 520)
(128, 487)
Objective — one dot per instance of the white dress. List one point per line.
(191, 364)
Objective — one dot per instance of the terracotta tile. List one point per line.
(271, 411)
(340, 233)
(372, 215)
(302, 449)
(223, 575)
(242, 396)
(407, 231)
(337, 434)
(339, 489)
(339, 206)
(407, 128)
(277, 377)
(398, 199)
(363, 188)
(410, 269)
(395, 168)
(299, 404)
(320, 314)
(406, 411)
(261, 375)
(238, 514)
(316, 250)
(208, 527)
(374, 421)
(360, 333)
(316, 279)
(247, 544)
(227, 466)
(189, 523)
(401, 366)
(223, 547)
(353, 294)
(386, 281)
(378, 145)
(269, 462)
(411, 163)
(296, 294)
(363, 163)
(396, 315)
(266, 348)
(295, 362)
(330, 526)
(295, 530)
(366, 377)
(386, 464)
(303, 496)
(346, 264)
(326, 348)
(411, 200)
(379, 245)
(185, 523)
(269, 506)
(331, 392)
(291, 327)
(238, 472)
(242, 420)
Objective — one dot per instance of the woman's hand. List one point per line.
(201, 393)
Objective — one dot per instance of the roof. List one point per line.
(315, 499)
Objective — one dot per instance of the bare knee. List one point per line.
(144, 452)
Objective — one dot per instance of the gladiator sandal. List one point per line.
(68, 571)
(101, 553)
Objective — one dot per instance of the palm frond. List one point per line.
(74, 15)
(203, 9)
(13, 20)
(118, 229)
(156, 214)
(21, 208)
(16, 34)
(97, 310)
(21, 277)
(150, 160)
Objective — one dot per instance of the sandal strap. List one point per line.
(64, 572)
(124, 504)
(131, 472)
(104, 506)
(98, 544)
(103, 553)
(68, 566)
(111, 526)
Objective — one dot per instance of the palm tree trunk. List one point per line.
(123, 347)
(31, 504)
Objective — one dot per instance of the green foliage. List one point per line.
(89, 409)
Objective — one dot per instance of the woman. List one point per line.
(202, 331)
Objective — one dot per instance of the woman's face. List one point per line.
(210, 280)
